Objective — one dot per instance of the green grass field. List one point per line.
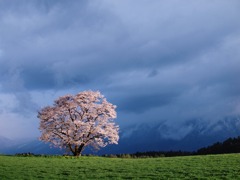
(189, 167)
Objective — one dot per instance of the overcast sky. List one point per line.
(157, 60)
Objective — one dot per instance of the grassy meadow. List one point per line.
(189, 167)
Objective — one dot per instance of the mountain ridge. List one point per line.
(145, 137)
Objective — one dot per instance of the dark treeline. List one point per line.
(231, 145)
(152, 154)
(163, 154)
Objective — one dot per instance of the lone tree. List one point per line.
(74, 122)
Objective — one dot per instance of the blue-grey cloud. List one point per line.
(157, 61)
(143, 102)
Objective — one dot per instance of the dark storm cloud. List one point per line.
(83, 39)
(156, 60)
(141, 103)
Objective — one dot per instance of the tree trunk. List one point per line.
(80, 149)
(77, 151)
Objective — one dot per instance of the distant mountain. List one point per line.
(33, 146)
(191, 136)
(6, 143)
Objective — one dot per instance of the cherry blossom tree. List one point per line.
(74, 122)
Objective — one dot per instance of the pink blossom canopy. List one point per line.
(75, 122)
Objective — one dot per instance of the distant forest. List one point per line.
(231, 145)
